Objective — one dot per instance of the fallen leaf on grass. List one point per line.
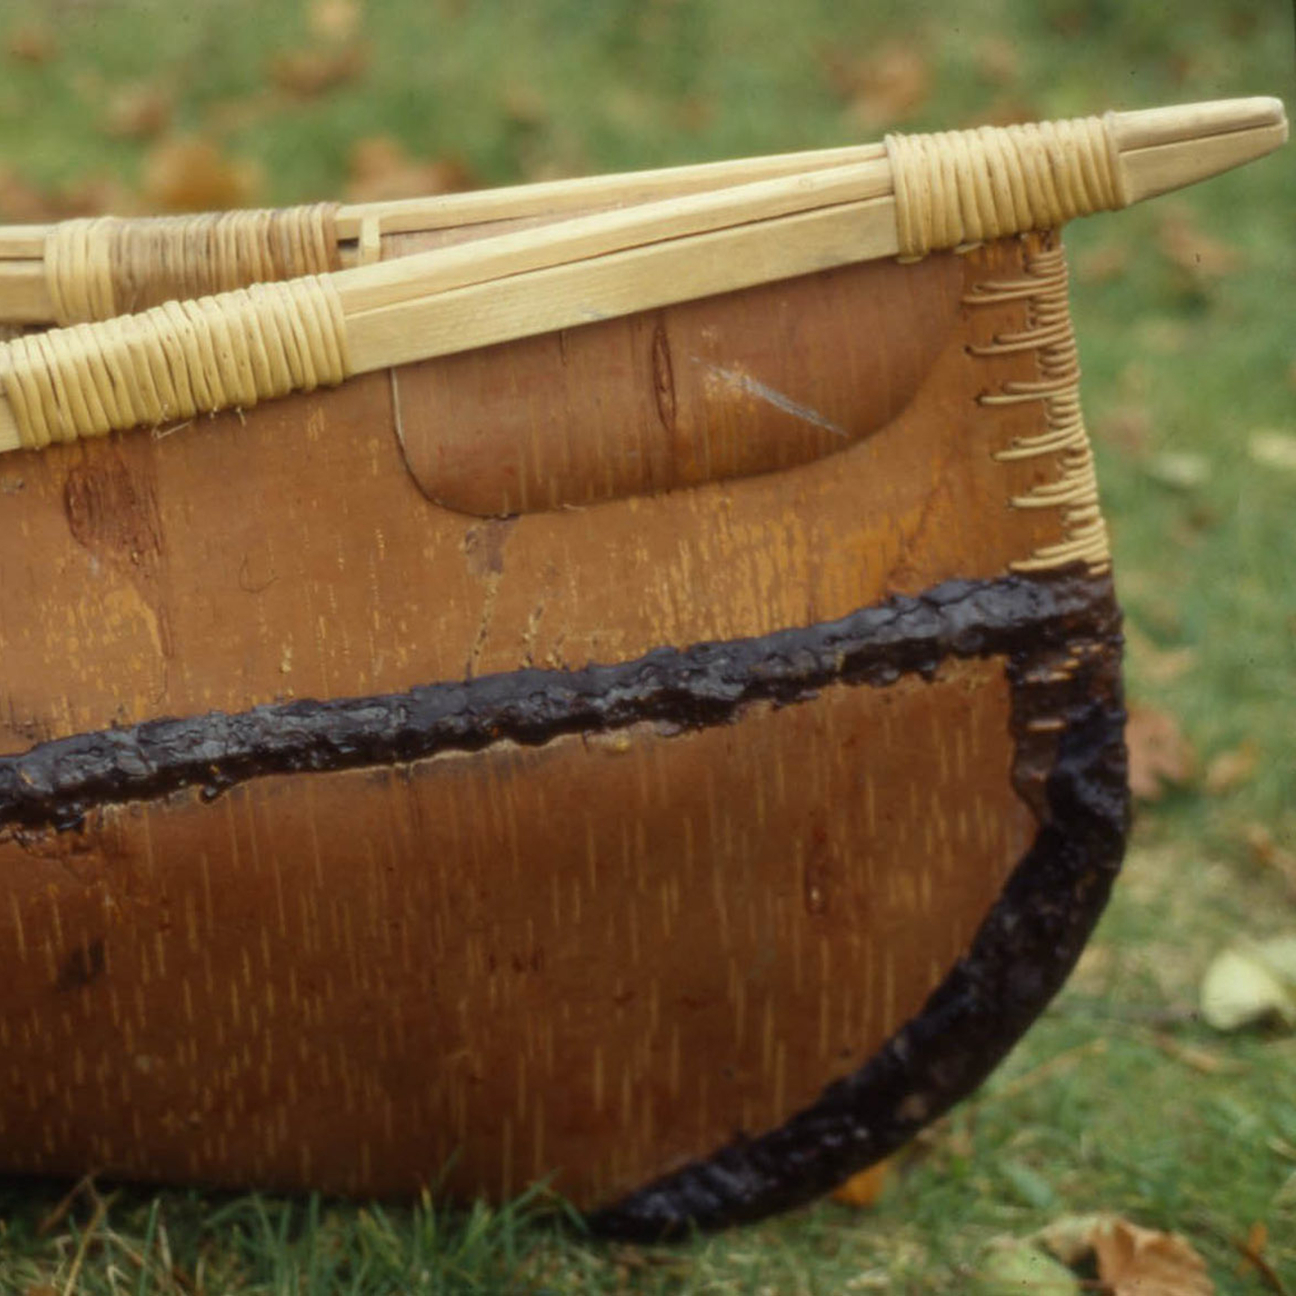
(1153, 663)
(138, 111)
(1131, 1261)
(21, 201)
(863, 1190)
(1128, 427)
(1265, 850)
(190, 173)
(1199, 254)
(1179, 469)
(1159, 754)
(887, 86)
(997, 60)
(1016, 1268)
(307, 73)
(334, 20)
(1250, 984)
(1106, 262)
(31, 43)
(1135, 1261)
(1232, 768)
(382, 170)
(1273, 449)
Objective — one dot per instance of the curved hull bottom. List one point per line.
(695, 936)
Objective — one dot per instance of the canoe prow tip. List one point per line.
(1161, 149)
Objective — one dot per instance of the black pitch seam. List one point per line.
(55, 783)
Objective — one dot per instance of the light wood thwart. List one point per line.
(663, 237)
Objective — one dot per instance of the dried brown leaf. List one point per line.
(138, 111)
(334, 20)
(863, 1190)
(1155, 664)
(307, 73)
(20, 200)
(1128, 427)
(31, 43)
(1106, 262)
(1005, 110)
(249, 112)
(1232, 768)
(1193, 251)
(94, 195)
(888, 86)
(1265, 850)
(996, 60)
(1252, 1250)
(1134, 1261)
(190, 173)
(1159, 754)
(382, 170)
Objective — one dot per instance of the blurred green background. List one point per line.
(1120, 1099)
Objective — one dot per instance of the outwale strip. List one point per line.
(1049, 333)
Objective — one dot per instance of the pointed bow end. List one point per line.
(1161, 149)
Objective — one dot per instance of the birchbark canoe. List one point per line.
(674, 754)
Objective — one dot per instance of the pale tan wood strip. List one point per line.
(24, 295)
(368, 288)
(620, 284)
(19, 241)
(551, 197)
(1148, 127)
(1163, 167)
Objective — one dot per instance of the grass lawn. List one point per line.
(1120, 1099)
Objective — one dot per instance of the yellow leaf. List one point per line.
(1017, 1268)
(1273, 449)
(1231, 768)
(1241, 987)
(863, 1189)
(334, 20)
